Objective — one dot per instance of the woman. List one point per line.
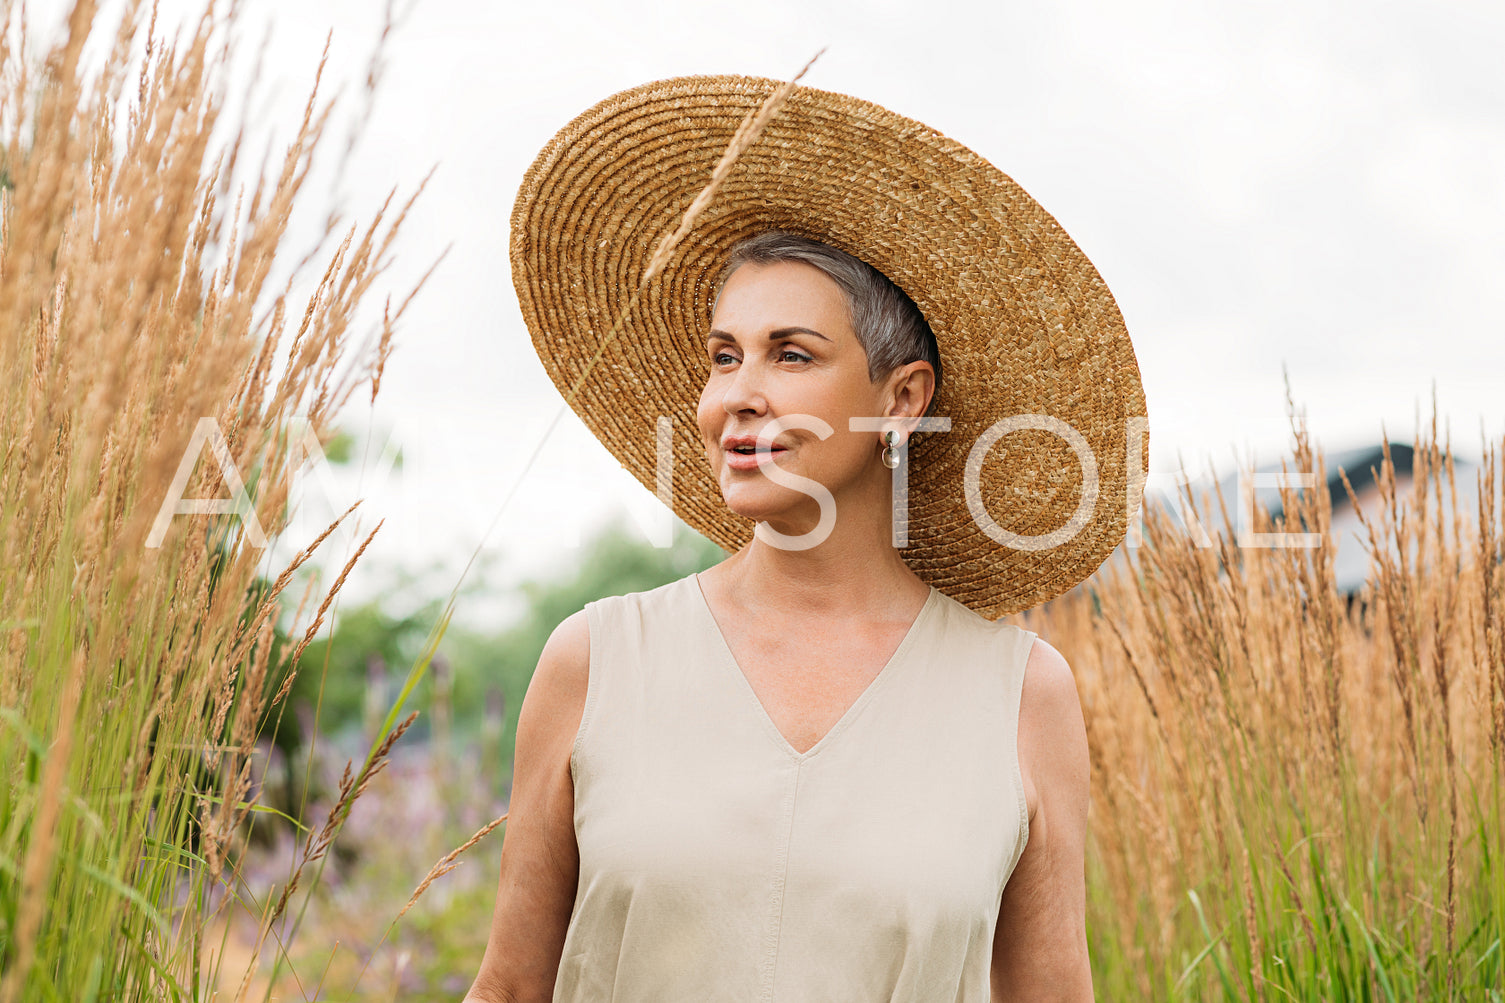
(816, 771)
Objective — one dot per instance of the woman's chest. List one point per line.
(806, 682)
(913, 798)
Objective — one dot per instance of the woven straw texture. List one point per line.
(1025, 324)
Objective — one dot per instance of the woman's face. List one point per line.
(781, 345)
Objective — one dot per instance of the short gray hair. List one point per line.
(887, 322)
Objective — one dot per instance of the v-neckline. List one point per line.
(852, 710)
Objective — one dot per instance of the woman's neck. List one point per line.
(855, 570)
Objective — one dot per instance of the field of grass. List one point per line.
(1297, 794)
(136, 303)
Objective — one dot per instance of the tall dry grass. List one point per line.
(1297, 795)
(136, 297)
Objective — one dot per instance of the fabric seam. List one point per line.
(592, 688)
(1023, 801)
(776, 919)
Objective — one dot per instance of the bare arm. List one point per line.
(1040, 949)
(540, 860)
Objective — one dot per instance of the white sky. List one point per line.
(1314, 184)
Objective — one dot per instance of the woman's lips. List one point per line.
(751, 461)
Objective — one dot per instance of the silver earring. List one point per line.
(891, 449)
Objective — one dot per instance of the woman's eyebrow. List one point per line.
(774, 335)
(785, 332)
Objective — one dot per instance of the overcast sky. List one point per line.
(1308, 184)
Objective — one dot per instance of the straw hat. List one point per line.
(1027, 330)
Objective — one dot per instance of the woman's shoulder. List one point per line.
(670, 594)
(961, 618)
(563, 669)
(1048, 682)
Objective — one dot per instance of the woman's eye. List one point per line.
(791, 355)
(723, 359)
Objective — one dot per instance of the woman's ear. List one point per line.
(910, 388)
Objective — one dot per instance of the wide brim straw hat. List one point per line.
(1032, 345)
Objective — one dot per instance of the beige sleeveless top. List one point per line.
(719, 864)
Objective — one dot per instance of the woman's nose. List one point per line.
(744, 394)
